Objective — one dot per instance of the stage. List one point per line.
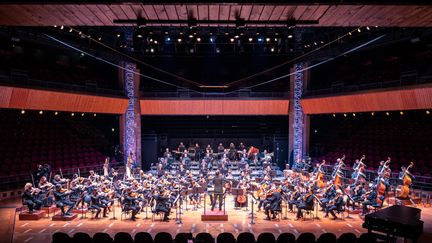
(42, 230)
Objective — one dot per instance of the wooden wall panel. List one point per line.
(214, 107)
(34, 99)
(388, 100)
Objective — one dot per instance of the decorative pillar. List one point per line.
(298, 122)
(130, 121)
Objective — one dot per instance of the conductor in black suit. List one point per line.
(218, 190)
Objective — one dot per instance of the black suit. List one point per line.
(218, 191)
(336, 206)
(273, 204)
(305, 205)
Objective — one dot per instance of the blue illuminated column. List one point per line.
(130, 122)
(298, 121)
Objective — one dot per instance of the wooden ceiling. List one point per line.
(104, 14)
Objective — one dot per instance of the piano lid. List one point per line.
(398, 214)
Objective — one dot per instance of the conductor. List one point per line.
(218, 190)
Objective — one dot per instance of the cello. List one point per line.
(403, 190)
(320, 176)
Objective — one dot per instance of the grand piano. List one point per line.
(396, 221)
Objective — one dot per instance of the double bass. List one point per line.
(403, 190)
(320, 176)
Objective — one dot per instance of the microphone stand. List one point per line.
(252, 221)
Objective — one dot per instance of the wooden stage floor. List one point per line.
(41, 230)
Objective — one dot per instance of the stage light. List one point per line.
(55, 26)
(112, 129)
(334, 115)
(61, 27)
(199, 39)
(94, 114)
(401, 113)
(236, 36)
(70, 30)
(267, 39)
(354, 114)
(349, 33)
(373, 113)
(56, 113)
(181, 33)
(322, 42)
(315, 43)
(226, 33)
(427, 112)
(190, 36)
(315, 131)
(166, 32)
(345, 115)
(139, 36)
(72, 114)
(118, 35)
(179, 40)
(367, 27)
(22, 111)
(232, 39)
(155, 41)
(257, 33)
(260, 39)
(151, 50)
(387, 113)
(151, 39)
(167, 39)
(290, 36)
(359, 30)
(40, 112)
(272, 49)
(250, 39)
(82, 54)
(82, 114)
(80, 33)
(211, 40)
(376, 26)
(275, 39)
(217, 50)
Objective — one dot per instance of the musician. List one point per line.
(371, 198)
(241, 200)
(106, 167)
(232, 152)
(185, 158)
(337, 205)
(162, 203)
(42, 170)
(46, 187)
(209, 149)
(181, 147)
(309, 165)
(357, 194)
(129, 203)
(218, 182)
(242, 147)
(113, 174)
(93, 177)
(328, 195)
(62, 200)
(272, 203)
(58, 180)
(29, 199)
(96, 203)
(198, 152)
(295, 198)
(221, 150)
(167, 154)
(306, 204)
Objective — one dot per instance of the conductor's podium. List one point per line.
(35, 215)
(215, 215)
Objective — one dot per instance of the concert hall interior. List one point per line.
(215, 121)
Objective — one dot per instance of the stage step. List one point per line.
(36, 215)
(59, 217)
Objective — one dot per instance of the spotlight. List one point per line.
(70, 30)
(179, 40)
(315, 43)
(345, 115)
(72, 114)
(22, 111)
(190, 36)
(151, 50)
(167, 39)
(40, 112)
(226, 33)
(82, 114)
(349, 33)
(232, 39)
(373, 113)
(250, 39)
(354, 114)
(367, 27)
(359, 30)
(290, 36)
(272, 49)
(260, 39)
(275, 39)
(155, 41)
(151, 39)
(387, 113)
(334, 115)
(61, 27)
(257, 33)
(139, 36)
(181, 33)
(427, 112)
(55, 26)
(401, 113)
(100, 38)
(199, 39)
(118, 35)
(211, 40)
(267, 39)
(94, 114)
(112, 129)
(236, 36)
(56, 113)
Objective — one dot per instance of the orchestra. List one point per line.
(176, 183)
